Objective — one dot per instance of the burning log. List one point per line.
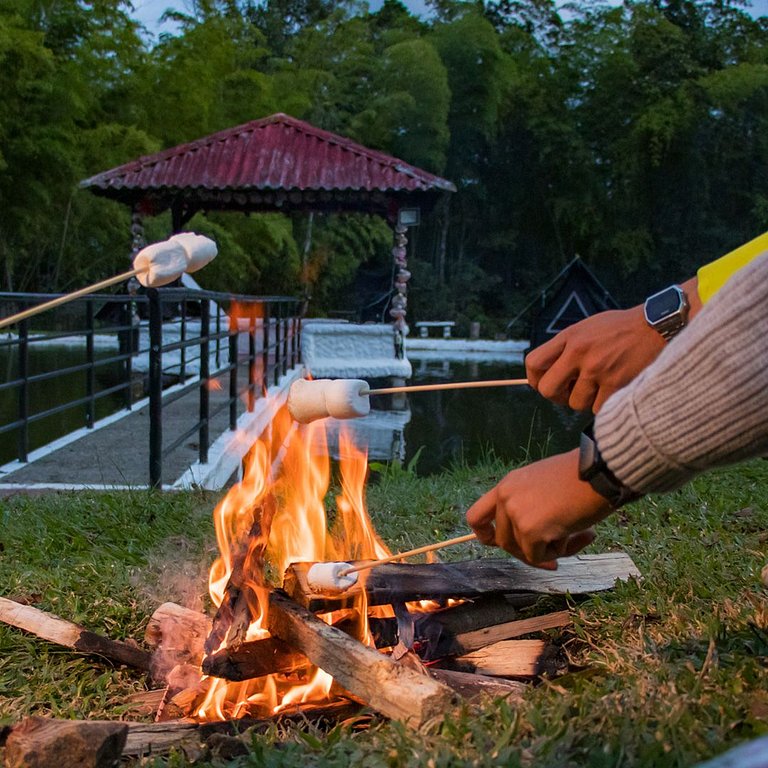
(176, 634)
(237, 609)
(62, 632)
(389, 688)
(38, 742)
(253, 659)
(401, 582)
(447, 632)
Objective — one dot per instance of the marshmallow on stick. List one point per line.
(156, 265)
(330, 577)
(349, 398)
(320, 398)
(200, 250)
(160, 263)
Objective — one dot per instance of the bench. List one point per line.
(425, 325)
(337, 349)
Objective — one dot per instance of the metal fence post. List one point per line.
(183, 350)
(286, 327)
(205, 373)
(155, 388)
(23, 447)
(251, 364)
(127, 349)
(234, 333)
(90, 371)
(278, 343)
(265, 349)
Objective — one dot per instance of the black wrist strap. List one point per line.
(594, 470)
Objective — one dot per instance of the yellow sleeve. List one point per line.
(714, 275)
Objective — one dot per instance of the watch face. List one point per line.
(663, 304)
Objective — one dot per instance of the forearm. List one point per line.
(704, 401)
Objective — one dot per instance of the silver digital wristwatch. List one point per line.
(667, 311)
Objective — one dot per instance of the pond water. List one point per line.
(514, 423)
(436, 429)
(44, 395)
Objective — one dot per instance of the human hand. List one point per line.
(588, 361)
(540, 512)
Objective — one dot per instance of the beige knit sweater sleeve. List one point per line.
(704, 402)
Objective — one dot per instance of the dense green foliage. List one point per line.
(635, 136)
(665, 672)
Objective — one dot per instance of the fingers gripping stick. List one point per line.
(318, 399)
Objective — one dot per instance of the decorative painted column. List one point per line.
(399, 303)
(138, 241)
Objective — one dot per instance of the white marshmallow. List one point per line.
(200, 250)
(320, 398)
(306, 400)
(347, 398)
(160, 263)
(326, 577)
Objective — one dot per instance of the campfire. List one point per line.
(406, 640)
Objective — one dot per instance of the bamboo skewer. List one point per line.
(67, 297)
(449, 385)
(410, 552)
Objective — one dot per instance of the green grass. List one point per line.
(665, 672)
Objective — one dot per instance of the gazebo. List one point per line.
(282, 164)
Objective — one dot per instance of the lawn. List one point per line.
(665, 672)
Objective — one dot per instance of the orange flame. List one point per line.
(289, 467)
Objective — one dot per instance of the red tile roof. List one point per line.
(274, 153)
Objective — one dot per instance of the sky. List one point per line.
(148, 12)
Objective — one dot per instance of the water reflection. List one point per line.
(445, 427)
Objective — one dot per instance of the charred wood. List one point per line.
(239, 606)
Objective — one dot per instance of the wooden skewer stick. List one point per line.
(67, 297)
(449, 385)
(417, 551)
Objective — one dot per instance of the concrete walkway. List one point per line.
(115, 454)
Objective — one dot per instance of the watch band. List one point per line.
(594, 470)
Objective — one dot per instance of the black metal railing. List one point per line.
(162, 345)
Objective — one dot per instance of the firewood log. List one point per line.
(403, 582)
(387, 687)
(38, 742)
(62, 632)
